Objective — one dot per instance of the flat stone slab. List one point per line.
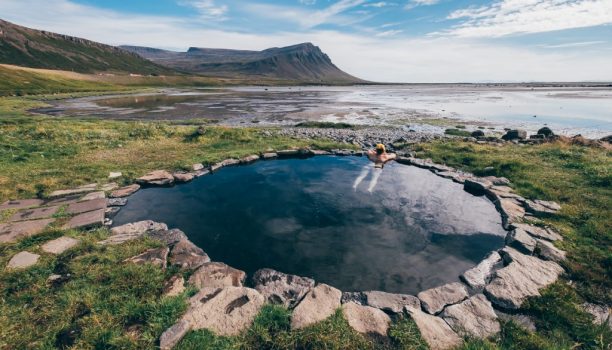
(59, 245)
(64, 200)
(391, 302)
(540, 207)
(187, 255)
(11, 232)
(523, 277)
(521, 241)
(478, 277)
(473, 317)
(93, 195)
(249, 159)
(269, 155)
(86, 220)
(83, 207)
(168, 237)
(183, 177)
(156, 178)
(33, 214)
(320, 303)
(217, 275)
(116, 202)
(114, 175)
(366, 319)
(511, 210)
(157, 257)
(226, 311)
(22, 260)
(539, 232)
(78, 190)
(125, 191)
(435, 299)
(280, 288)
(434, 330)
(109, 187)
(21, 204)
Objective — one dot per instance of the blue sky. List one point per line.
(402, 40)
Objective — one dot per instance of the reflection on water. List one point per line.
(413, 231)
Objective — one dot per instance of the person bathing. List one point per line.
(380, 156)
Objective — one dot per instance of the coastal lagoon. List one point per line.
(335, 219)
(567, 110)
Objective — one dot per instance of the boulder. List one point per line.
(87, 220)
(318, 304)
(157, 257)
(434, 330)
(249, 159)
(187, 255)
(478, 276)
(540, 207)
(521, 241)
(156, 178)
(11, 232)
(225, 312)
(547, 251)
(435, 299)
(174, 286)
(131, 231)
(477, 186)
(183, 177)
(280, 288)
(539, 232)
(22, 260)
(288, 153)
(391, 302)
(33, 214)
(269, 155)
(515, 135)
(116, 202)
(168, 237)
(478, 133)
(217, 275)
(473, 317)
(59, 245)
(197, 167)
(523, 277)
(546, 132)
(366, 319)
(125, 191)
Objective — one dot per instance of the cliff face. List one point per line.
(302, 62)
(27, 47)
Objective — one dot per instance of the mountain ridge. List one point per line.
(302, 62)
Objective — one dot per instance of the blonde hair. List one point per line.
(380, 148)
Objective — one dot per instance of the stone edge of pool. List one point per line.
(493, 288)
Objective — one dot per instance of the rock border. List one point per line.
(500, 283)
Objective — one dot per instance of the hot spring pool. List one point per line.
(335, 219)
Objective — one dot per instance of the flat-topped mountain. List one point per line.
(302, 62)
(41, 49)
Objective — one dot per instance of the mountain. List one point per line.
(302, 63)
(40, 49)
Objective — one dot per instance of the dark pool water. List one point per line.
(337, 220)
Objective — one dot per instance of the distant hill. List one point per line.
(40, 49)
(302, 62)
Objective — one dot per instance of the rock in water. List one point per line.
(280, 288)
(366, 319)
(435, 299)
(125, 191)
(522, 278)
(434, 330)
(217, 275)
(479, 276)
(320, 303)
(391, 302)
(474, 317)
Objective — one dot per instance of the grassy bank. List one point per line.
(109, 304)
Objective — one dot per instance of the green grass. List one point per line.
(457, 132)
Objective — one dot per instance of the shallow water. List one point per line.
(568, 110)
(400, 229)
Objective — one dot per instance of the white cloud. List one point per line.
(574, 44)
(207, 8)
(380, 4)
(508, 17)
(308, 2)
(388, 33)
(415, 3)
(435, 59)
